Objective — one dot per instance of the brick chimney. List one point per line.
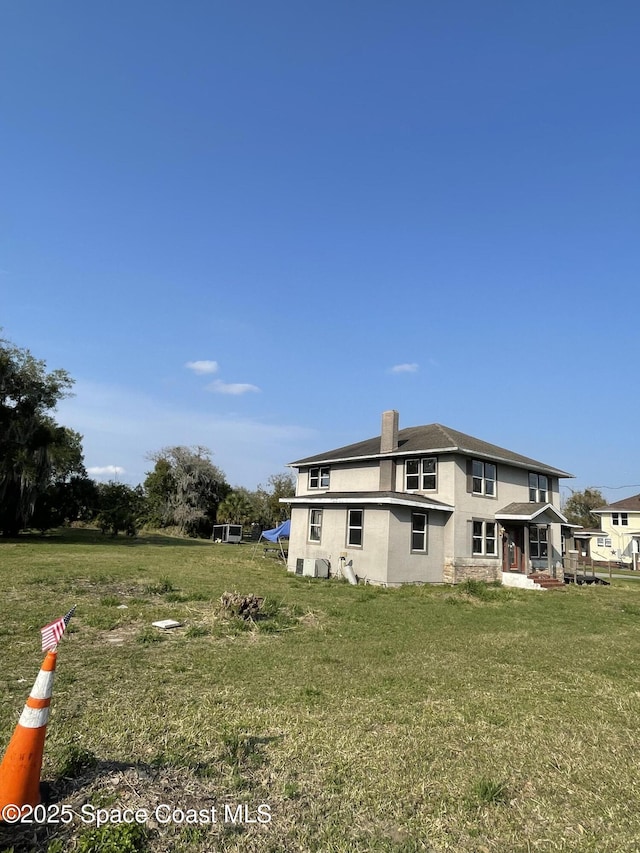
(389, 437)
(388, 443)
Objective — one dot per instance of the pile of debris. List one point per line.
(240, 606)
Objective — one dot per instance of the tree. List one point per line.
(159, 487)
(120, 508)
(32, 445)
(278, 486)
(64, 501)
(193, 486)
(239, 507)
(578, 508)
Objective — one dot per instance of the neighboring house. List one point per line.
(426, 504)
(592, 545)
(620, 526)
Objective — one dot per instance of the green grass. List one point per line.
(465, 719)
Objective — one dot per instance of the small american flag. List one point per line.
(51, 633)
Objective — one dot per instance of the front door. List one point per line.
(512, 549)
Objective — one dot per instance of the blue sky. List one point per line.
(255, 226)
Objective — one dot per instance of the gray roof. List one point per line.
(432, 438)
(631, 504)
(530, 511)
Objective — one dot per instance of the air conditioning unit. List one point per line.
(312, 567)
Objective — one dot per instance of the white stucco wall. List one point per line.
(344, 477)
(369, 561)
(408, 567)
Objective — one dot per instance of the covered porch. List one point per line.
(528, 537)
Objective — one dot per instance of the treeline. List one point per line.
(44, 483)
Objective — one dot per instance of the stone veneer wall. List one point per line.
(458, 572)
(465, 569)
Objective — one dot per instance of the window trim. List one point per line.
(321, 477)
(355, 527)
(314, 524)
(424, 533)
(536, 491)
(421, 474)
(619, 519)
(539, 543)
(484, 539)
(482, 491)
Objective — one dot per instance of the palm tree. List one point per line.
(236, 508)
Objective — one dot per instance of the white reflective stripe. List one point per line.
(33, 718)
(43, 685)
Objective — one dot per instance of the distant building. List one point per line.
(620, 531)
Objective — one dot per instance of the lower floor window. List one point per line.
(315, 525)
(538, 542)
(355, 519)
(484, 538)
(419, 531)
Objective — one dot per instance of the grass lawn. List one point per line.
(466, 719)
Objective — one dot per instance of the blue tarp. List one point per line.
(281, 532)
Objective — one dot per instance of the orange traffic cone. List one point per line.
(22, 762)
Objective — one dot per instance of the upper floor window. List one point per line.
(315, 525)
(419, 531)
(421, 474)
(538, 542)
(319, 478)
(355, 525)
(484, 538)
(619, 518)
(538, 488)
(483, 478)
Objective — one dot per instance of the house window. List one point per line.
(604, 542)
(420, 474)
(315, 525)
(483, 478)
(355, 521)
(538, 486)
(538, 542)
(619, 518)
(419, 531)
(319, 478)
(484, 538)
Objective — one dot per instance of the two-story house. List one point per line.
(620, 532)
(426, 504)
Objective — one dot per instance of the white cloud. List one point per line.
(127, 424)
(220, 387)
(101, 470)
(202, 367)
(404, 368)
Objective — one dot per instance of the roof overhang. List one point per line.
(539, 514)
(366, 500)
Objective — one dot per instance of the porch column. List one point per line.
(550, 550)
(527, 550)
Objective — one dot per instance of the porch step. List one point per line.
(546, 582)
